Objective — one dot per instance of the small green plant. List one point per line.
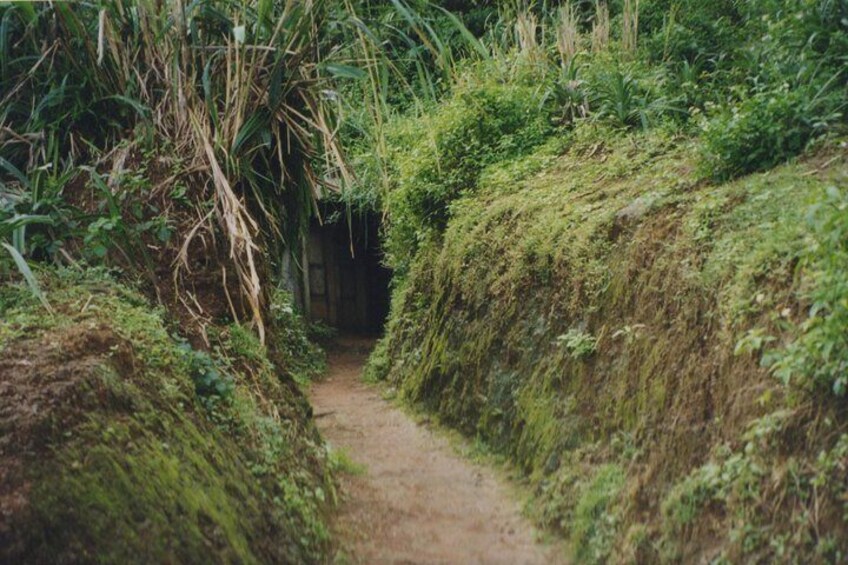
(619, 98)
(579, 344)
(26, 272)
(100, 234)
(212, 385)
(762, 130)
(752, 342)
(341, 462)
(629, 333)
(625, 100)
(819, 355)
(595, 522)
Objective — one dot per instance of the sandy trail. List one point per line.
(418, 501)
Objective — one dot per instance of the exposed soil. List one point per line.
(42, 391)
(418, 500)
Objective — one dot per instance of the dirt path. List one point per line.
(418, 501)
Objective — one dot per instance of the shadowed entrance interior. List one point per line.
(348, 288)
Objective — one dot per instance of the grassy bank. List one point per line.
(614, 321)
(120, 442)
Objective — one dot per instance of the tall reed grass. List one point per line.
(239, 91)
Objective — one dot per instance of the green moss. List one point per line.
(613, 237)
(129, 465)
(130, 495)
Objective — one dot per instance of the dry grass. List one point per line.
(527, 38)
(601, 27)
(567, 33)
(630, 26)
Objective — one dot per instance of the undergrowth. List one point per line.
(439, 157)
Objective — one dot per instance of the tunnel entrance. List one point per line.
(347, 287)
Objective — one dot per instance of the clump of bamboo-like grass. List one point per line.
(234, 88)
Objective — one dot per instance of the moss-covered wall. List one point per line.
(113, 451)
(581, 313)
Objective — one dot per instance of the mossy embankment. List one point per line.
(599, 312)
(119, 442)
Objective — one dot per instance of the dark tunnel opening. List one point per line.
(347, 284)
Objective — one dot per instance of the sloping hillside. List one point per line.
(120, 443)
(607, 318)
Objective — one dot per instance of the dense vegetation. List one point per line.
(617, 230)
(602, 290)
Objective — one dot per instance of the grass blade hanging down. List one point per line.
(16, 228)
(430, 39)
(240, 227)
(15, 172)
(250, 129)
(142, 110)
(28, 275)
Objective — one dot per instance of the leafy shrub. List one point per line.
(763, 130)
(439, 157)
(320, 332)
(788, 79)
(689, 30)
(303, 359)
(819, 356)
(728, 480)
(796, 33)
(210, 383)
